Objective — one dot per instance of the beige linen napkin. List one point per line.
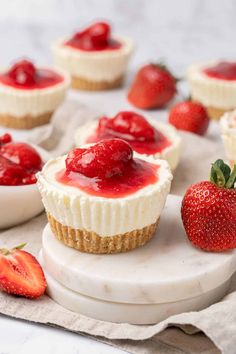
(208, 331)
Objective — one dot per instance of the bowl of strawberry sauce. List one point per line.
(19, 196)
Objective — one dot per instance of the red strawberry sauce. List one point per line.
(19, 162)
(133, 128)
(24, 75)
(96, 37)
(107, 169)
(223, 71)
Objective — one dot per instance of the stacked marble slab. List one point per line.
(144, 286)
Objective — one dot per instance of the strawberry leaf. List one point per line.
(217, 175)
(232, 179)
(5, 251)
(221, 174)
(162, 66)
(20, 246)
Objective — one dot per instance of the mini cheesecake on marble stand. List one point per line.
(104, 198)
(165, 277)
(102, 252)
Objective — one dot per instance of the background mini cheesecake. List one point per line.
(95, 59)
(228, 134)
(147, 137)
(29, 95)
(102, 198)
(214, 85)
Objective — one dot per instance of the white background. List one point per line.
(181, 31)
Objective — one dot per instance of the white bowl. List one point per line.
(20, 203)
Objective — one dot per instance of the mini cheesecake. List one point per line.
(228, 134)
(30, 95)
(146, 137)
(95, 59)
(103, 198)
(214, 85)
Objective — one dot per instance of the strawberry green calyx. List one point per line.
(5, 251)
(162, 66)
(221, 174)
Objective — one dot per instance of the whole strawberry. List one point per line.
(190, 116)
(21, 274)
(209, 210)
(153, 87)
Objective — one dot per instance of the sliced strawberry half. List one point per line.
(21, 273)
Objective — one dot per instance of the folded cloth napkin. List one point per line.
(212, 330)
(58, 136)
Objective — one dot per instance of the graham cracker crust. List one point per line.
(79, 83)
(25, 122)
(216, 113)
(90, 242)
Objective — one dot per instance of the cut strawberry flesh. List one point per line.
(21, 274)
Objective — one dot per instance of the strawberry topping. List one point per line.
(23, 72)
(5, 138)
(22, 154)
(131, 125)
(11, 174)
(133, 128)
(24, 75)
(105, 159)
(18, 162)
(107, 169)
(223, 71)
(95, 37)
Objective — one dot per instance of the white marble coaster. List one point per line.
(128, 313)
(167, 269)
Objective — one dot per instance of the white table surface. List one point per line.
(182, 32)
(21, 337)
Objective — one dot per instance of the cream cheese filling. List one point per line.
(106, 65)
(105, 216)
(20, 103)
